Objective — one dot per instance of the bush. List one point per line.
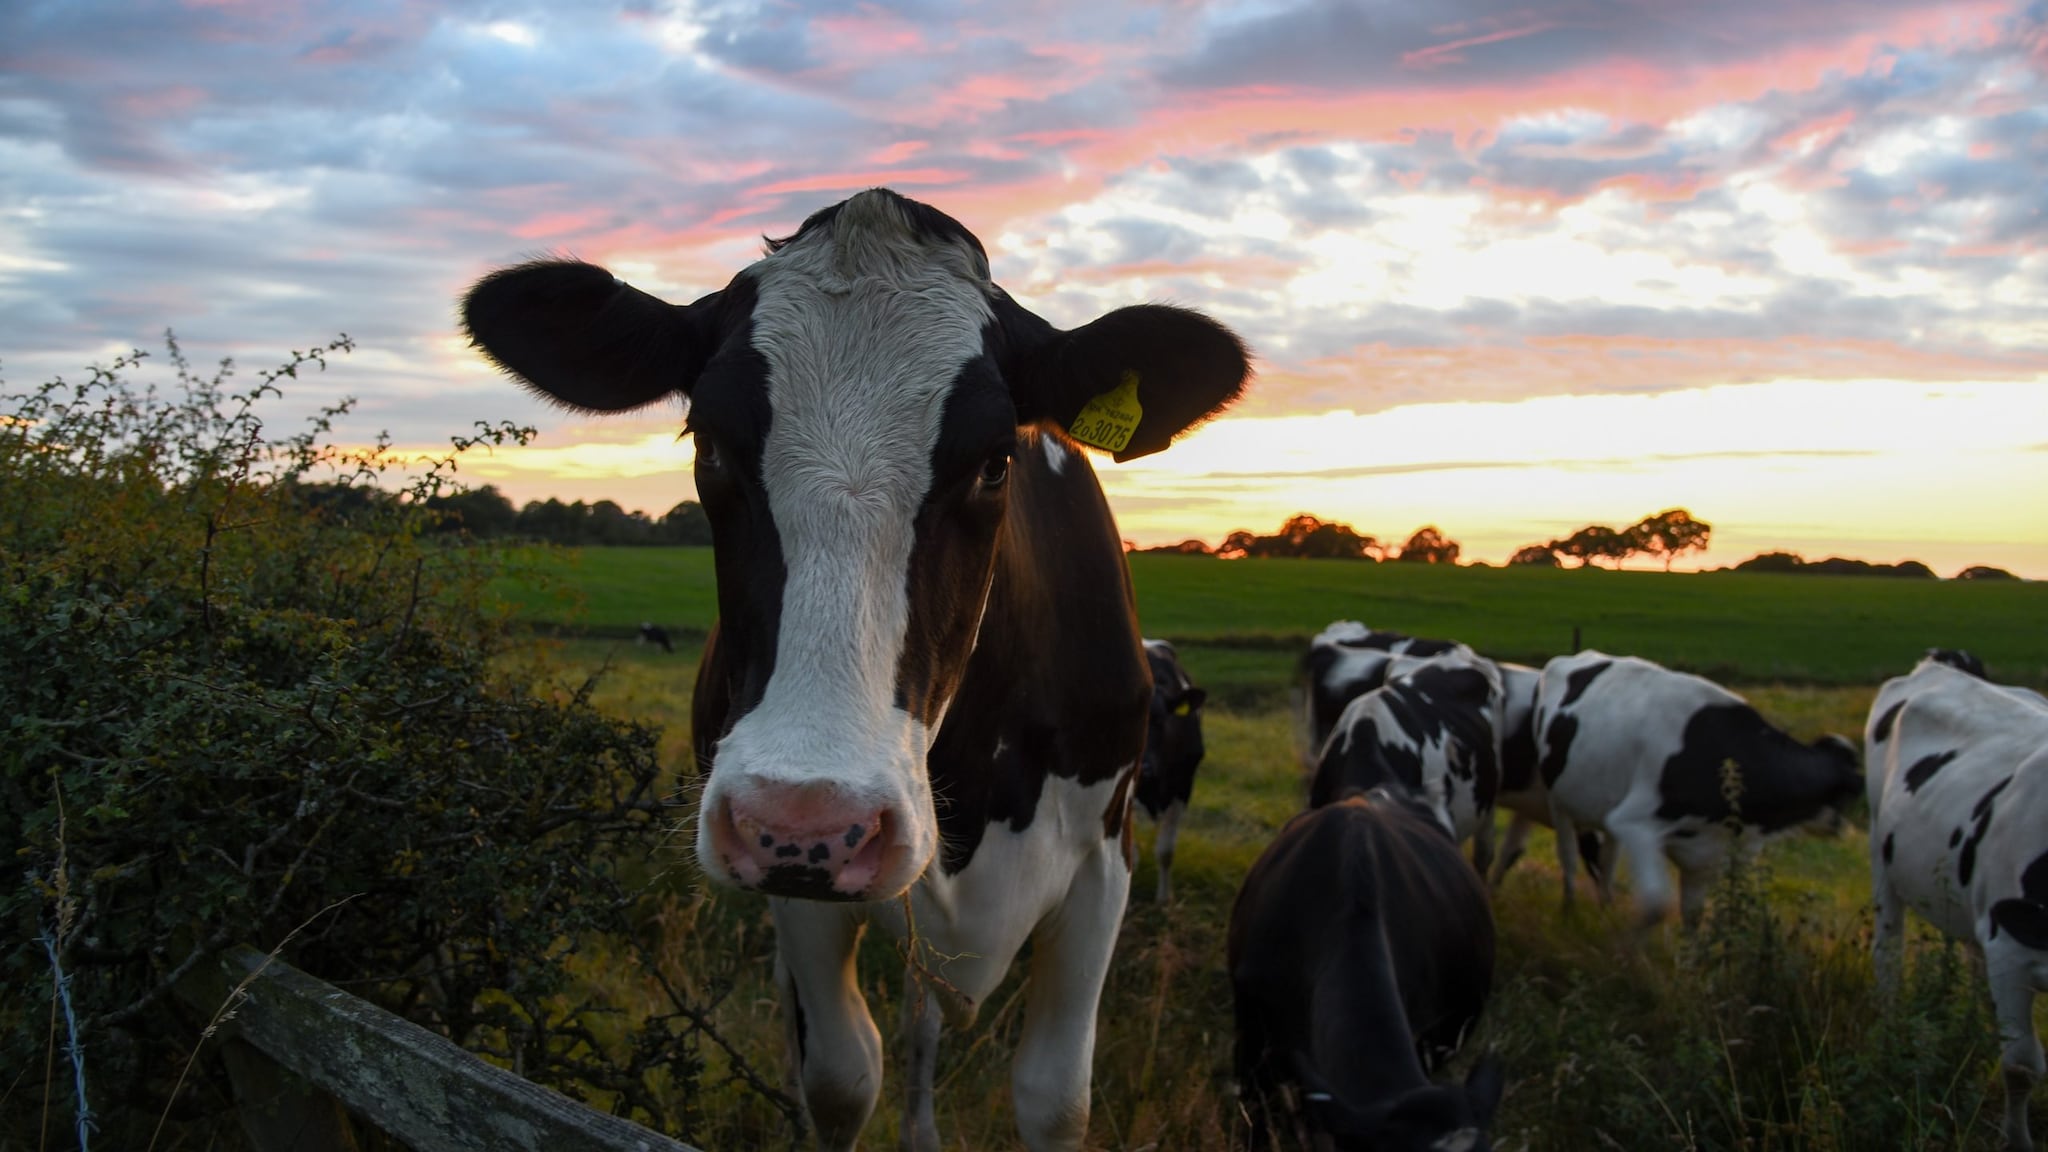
(250, 699)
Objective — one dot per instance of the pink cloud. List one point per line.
(1451, 52)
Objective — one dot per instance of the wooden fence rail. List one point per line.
(299, 1050)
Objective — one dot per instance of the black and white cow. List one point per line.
(1173, 750)
(656, 634)
(1958, 793)
(926, 677)
(1430, 731)
(1343, 662)
(1653, 758)
(1361, 952)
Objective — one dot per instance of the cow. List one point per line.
(1430, 731)
(1173, 750)
(1344, 661)
(1361, 952)
(1958, 791)
(924, 701)
(1668, 764)
(656, 634)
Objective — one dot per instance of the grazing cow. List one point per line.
(1173, 750)
(925, 695)
(1345, 661)
(656, 634)
(1429, 731)
(1361, 953)
(1653, 758)
(1958, 793)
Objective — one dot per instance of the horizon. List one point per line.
(1507, 269)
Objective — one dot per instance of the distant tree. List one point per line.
(1669, 534)
(1984, 572)
(1595, 542)
(1301, 536)
(482, 512)
(1772, 562)
(1184, 548)
(686, 524)
(1534, 556)
(1429, 546)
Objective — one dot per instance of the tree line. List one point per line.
(486, 513)
(1667, 535)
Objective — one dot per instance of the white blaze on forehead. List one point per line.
(865, 327)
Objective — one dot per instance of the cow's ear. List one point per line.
(584, 338)
(1128, 382)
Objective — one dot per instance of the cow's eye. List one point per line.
(708, 458)
(995, 470)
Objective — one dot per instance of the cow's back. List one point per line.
(1607, 725)
(1361, 889)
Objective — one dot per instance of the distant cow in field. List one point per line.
(1361, 953)
(1664, 762)
(926, 676)
(1428, 731)
(1958, 793)
(1343, 662)
(656, 634)
(1173, 750)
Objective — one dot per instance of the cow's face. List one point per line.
(1173, 734)
(855, 399)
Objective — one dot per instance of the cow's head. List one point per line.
(1173, 735)
(855, 398)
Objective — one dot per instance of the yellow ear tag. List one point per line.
(1110, 420)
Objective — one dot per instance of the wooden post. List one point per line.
(414, 1085)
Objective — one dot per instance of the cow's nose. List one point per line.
(803, 841)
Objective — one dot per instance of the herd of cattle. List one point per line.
(1361, 943)
(924, 706)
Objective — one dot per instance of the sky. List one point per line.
(1506, 268)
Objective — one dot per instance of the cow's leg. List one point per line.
(1162, 847)
(1605, 855)
(1642, 845)
(1512, 845)
(1482, 843)
(1567, 851)
(836, 1048)
(1069, 961)
(2011, 968)
(1888, 932)
(921, 1025)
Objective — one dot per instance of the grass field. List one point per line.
(1734, 626)
(1762, 1032)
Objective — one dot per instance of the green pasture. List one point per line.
(1739, 627)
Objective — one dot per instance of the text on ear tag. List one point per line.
(1110, 420)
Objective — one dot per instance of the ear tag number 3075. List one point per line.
(1110, 420)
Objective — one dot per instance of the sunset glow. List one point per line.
(1508, 270)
